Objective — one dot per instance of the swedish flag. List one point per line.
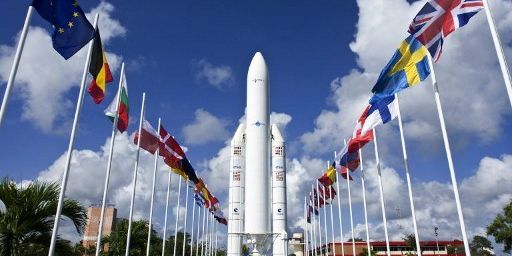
(72, 30)
(407, 67)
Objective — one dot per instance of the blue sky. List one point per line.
(192, 58)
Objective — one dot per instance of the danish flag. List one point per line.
(439, 18)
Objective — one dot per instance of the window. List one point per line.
(237, 150)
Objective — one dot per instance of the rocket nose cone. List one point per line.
(258, 63)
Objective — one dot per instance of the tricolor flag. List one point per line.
(99, 70)
(123, 110)
(329, 177)
(344, 173)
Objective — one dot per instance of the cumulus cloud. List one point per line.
(480, 115)
(205, 128)
(219, 76)
(42, 87)
(87, 172)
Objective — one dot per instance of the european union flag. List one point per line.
(407, 67)
(72, 29)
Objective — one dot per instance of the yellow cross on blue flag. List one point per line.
(72, 30)
(407, 67)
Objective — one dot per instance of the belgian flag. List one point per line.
(99, 69)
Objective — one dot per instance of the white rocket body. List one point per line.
(257, 207)
(254, 216)
(279, 193)
(236, 193)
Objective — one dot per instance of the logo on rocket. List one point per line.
(258, 124)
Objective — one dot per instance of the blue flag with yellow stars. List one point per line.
(72, 29)
(407, 67)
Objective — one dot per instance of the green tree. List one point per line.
(181, 238)
(501, 228)
(481, 246)
(26, 222)
(116, 241)
(410, 240)
(357, 239)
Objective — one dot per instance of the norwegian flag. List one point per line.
(439, 18)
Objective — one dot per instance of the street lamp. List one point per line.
(437, 242)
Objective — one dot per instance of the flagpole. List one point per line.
(216, 237)
(317, 193)
(449, 156)
(134, 184)
(381, 191)
(332, 228)
(211, 233)
(185, 221)
(408, 176)
(339, 211)
(325, 216)
(53, 241)
(306, 252)
(155, 167)
(364, 203)
(202, 232)
(499, 50)
(198, 229)
(166, 212)
(313, 224)
(177, 218)
(16, 62)
(207, 249)
(207, 235)
(350, 209)
(109, 164)
(192, 227)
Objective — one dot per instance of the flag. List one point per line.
(349, 156)
(72, 30)
(311, 204)
(381, 112)
(344, 173)
(174, 156)
(329, 177)
(439, 18)
(110, 112)
(198, 198)
(99, 69)
(209, 199)
(408, 66)
(149, 138)
(219, 216)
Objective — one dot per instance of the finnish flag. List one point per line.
(381, 112)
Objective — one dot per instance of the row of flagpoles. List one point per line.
(69, 38)
(411, 64)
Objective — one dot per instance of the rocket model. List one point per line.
(257, 150)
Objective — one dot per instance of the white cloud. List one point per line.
(470, 82)
(219, 76)
(87, 172)
(44, 77)
(205, 128)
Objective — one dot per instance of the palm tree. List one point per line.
(116, 241)
(27, 217)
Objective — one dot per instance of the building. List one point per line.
(93, 223)
(428, 248)
(296, 242)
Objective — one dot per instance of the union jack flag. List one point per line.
(439, 18)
